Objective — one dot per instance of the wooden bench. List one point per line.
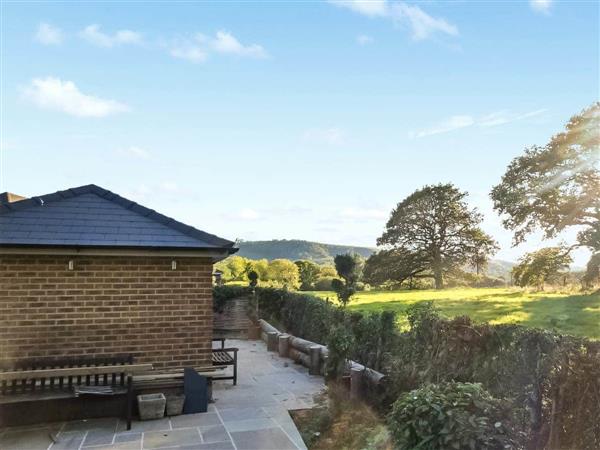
(46, 379)
(222, 357)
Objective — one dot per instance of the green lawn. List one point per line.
(576, 314)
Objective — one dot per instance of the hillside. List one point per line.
(296, 249)
(499, 268)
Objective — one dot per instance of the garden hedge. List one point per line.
(551, 381)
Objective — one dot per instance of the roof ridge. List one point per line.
(123, 202)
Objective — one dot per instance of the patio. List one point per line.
(252, 415)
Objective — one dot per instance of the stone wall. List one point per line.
(106, 305)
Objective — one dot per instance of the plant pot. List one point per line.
(175, 404)
(151, 406)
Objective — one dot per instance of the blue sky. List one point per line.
(308, 119)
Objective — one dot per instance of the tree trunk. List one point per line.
(439, 281)
(437, 271)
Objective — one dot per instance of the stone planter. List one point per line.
(175, 404)
(151, 406)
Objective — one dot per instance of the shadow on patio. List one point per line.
(252, 415)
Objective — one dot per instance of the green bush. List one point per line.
(545, 376)
(324, 284)
(450, 416)
(221, 294)
(339, 342)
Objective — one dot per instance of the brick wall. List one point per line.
(106, 305)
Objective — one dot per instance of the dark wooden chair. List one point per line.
(225, 356)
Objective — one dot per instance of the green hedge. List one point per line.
(551, 381)
(311, 318)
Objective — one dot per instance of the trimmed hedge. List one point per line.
(311, 318)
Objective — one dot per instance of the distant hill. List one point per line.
(500, 269)
(296, 249)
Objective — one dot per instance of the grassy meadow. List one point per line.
(570, 313)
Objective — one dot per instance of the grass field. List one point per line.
(577, 314)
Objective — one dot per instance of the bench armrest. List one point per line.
(227, 349)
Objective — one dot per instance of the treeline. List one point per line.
(307, 275)
(279, 273)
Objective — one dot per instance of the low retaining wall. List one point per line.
(314, 356)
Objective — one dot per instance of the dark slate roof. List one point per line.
(89, 216)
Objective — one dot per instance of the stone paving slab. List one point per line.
(266, 439)
(250, 416)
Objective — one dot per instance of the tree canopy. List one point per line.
(556, 186)
(309, 273)
(429, 233)
(542, 266)
(349, 267)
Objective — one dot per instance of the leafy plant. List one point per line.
(449, 416)
(340, 342)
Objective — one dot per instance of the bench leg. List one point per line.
(129, 401)
(235, 368)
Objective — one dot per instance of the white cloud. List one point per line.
(49, 35)
(364, 213)
(502, 117)
(542, 6)
(489, 120)
(92, 34)
(198, 48)
(137, 152)
(225, 42)
(331, 136)
(363, 39)
(422, 25)
(450, 124)
(188, 51)
(370, 8)
(55, 94)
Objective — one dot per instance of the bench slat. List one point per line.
(74, 371)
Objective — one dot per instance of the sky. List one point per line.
(289, 120)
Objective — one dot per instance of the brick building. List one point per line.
(87, 272)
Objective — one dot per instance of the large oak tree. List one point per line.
(556, 186)
(430, 233)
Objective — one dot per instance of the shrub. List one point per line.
(324, 284)
(339, 342)
(484, 281)
(449, 416)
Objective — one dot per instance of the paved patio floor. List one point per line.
(250, 416)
